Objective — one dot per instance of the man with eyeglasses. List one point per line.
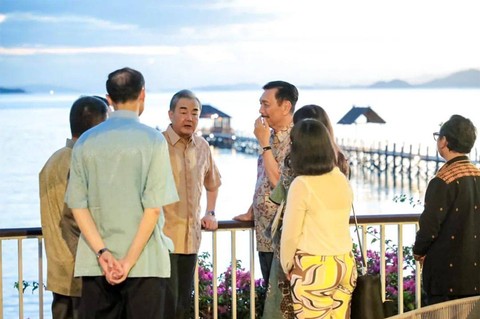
(448, 241)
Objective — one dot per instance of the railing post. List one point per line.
(383, 260)
(196, 291)
(394, 169)
(215, 290)
(40, 277)
(418, 280)
(1, 280)
(234, 274)
(400, 268)
(410, 170)
(252, 274)
(20, 277)
(386, 165)
(364, 243)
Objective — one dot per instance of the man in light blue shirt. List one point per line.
(120, 178)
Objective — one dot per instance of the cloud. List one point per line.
(121, 50)
(306, 41)
(86, 21)
(252, 6)
(210, 54)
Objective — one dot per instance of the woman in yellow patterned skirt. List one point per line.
(316, 247)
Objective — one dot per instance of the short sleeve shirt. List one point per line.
(119, 168)
(263, 208)
(60, 260)
(193, 169)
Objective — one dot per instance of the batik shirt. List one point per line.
(263, 208)
(60, 260)
(193, 169)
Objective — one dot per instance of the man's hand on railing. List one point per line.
(209, 222)
(419, 258)
(248, 216)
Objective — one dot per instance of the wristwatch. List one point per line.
(211, 213)
(101, 251)
(264, 149)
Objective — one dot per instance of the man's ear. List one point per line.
(287, 107)
(443, 143)
(142, 95)
(109, 100)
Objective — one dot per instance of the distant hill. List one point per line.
(38, 88)
(45, 88)
(462, 79)
(397, 84)
(4, 90)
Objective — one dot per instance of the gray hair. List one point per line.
(187, 94)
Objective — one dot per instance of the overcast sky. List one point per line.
(185, 44)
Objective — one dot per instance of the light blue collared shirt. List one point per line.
(118, 168)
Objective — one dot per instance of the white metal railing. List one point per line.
(465, 308)
(233, 227)
(400, 221)
(19, 235)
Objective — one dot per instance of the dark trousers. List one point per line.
(265, 259)
(134, 298)
(178, 299)
(65, 307)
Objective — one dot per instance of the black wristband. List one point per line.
(101, 251)
(266, 148)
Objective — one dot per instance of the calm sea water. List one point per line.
(32, 127)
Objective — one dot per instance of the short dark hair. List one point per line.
(187, 94)
(86, 112)
(460, 134)
(125, 85)
(285, 91)
(312, 151)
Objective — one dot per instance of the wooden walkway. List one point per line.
(389, 165)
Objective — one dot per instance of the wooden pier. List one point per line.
(242, 144)
(390, 165)
(385, 164)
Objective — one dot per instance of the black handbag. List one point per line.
(367, 296)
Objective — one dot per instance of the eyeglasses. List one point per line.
(436, 136)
